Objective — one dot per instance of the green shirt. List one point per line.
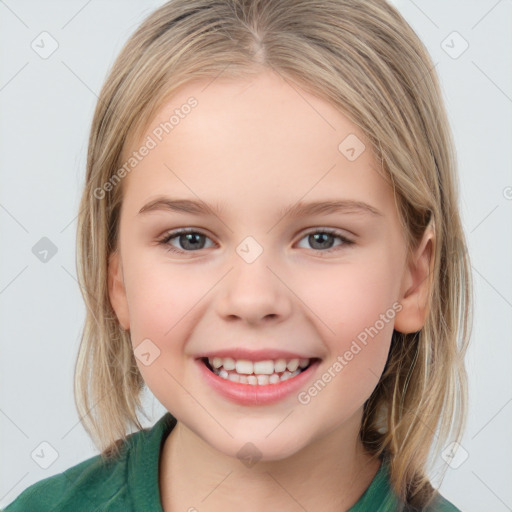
(130, 482)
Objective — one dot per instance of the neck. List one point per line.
(317, 477)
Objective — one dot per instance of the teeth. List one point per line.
(258, 372)
(273, 379)
(245, 367)
(263, 367)
(262, 379)
(259, 368)
(256, 379)
(252, 379)
(280, 365)
(293, 365)
(228, 363)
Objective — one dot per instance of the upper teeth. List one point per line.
(247, 367)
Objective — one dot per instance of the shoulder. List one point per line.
(88, 486)
(380, 496)
(441, 504)
(123, 483)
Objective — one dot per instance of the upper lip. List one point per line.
(254, 355)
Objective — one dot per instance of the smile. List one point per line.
(257, 388)
(256, 373)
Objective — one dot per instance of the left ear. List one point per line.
(117, 291)
(415, 288)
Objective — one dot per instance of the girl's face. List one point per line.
(249, 276)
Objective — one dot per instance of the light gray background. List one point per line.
(46, 108)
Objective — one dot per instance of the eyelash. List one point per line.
(173, 234)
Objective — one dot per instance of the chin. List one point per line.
(250, 449)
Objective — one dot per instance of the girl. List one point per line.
(269, 239)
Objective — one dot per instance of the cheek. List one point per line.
(160, 308)
(349, 298)
(159, 295)
(357, 307)
(165, 304)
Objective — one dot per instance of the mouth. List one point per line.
(259, 373)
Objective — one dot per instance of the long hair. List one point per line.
(364, 59)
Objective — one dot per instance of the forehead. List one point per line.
(256, 140)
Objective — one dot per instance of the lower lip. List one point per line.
(256, 394)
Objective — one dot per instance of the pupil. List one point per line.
(313, 238)
(188, 238)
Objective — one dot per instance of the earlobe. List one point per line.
(117, 291)
(416, 284)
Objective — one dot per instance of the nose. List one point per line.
(254, 293)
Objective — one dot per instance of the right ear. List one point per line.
(117, 291)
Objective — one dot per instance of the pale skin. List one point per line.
(256, 147)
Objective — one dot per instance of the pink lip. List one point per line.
(248, 394)
(254, 355)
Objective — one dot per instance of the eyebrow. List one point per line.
(300, 209)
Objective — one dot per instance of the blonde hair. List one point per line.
(364, 59)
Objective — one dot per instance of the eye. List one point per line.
(191, 240)
(321, 239)
(188, 238)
